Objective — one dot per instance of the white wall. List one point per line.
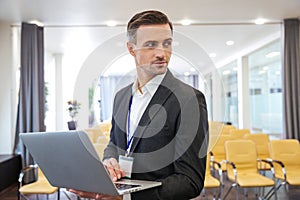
(6, 133)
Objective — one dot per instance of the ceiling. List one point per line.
(71, 24)
(82, 12)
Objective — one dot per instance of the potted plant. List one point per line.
(73, 107)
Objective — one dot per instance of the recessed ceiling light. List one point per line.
(261, 72)
(260, 21)
(230, 42)
(272, 54)
(186, 73)
(266, 68)
(111, 23)
(212, 55)
(186, 22)
(192, 69)
(226, 72)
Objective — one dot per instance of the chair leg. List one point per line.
(233, 185)
(58, 194)
(214, 193)
(203, 192)
(245, 192)
(237, 192)
(286, 187)
(273, 191)
(219, 195)
(24, 197)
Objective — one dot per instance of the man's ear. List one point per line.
(130, 48)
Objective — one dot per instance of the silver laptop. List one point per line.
(69, 160)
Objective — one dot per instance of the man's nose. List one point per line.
(160, 51)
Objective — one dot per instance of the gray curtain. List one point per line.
(31, 106)
(291, 78)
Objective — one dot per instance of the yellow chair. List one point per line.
(241, 159)
(98, 139)
(104, 127)
(210, 182)
(218, 151)
(226, 129)
(100, 149)
(40, 187)
(215, 129)
(239, 133)
(95, 134)
(285, 155)
(261, 141)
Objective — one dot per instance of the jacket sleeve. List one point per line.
(111, 151)
(113, 147)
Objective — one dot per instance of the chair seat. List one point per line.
(253, 180)
(38, 187)
(211, 182)
(293, 177)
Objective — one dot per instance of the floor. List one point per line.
(293, 194)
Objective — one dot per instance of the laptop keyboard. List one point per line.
(121, 186)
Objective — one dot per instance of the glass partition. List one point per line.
(266, 89)
(230, 98)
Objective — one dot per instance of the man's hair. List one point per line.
(149, 17)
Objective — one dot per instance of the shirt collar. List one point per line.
(151, 86)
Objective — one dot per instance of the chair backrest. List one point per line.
(243, 154)
(214, 133)
(239, 133)
(41, 176)
(208, 167)
(261, 141)
(100, 149)
(286, 151)
(226, 129)
(95, 135)
(218, 149)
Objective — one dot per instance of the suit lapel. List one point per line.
(121, 114)
(164, 90)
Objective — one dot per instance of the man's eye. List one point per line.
(167, 43)
(150, 44)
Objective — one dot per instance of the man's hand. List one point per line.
(113, 168)
(96, 196)
(115, 172)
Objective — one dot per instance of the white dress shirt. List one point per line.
(140, 101)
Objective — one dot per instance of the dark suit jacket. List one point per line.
(170, 141)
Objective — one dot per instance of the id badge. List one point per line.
(126, 164)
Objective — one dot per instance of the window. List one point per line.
(266, 89)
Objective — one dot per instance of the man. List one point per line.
(158, 122)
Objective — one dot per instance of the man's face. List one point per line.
(153, 48)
